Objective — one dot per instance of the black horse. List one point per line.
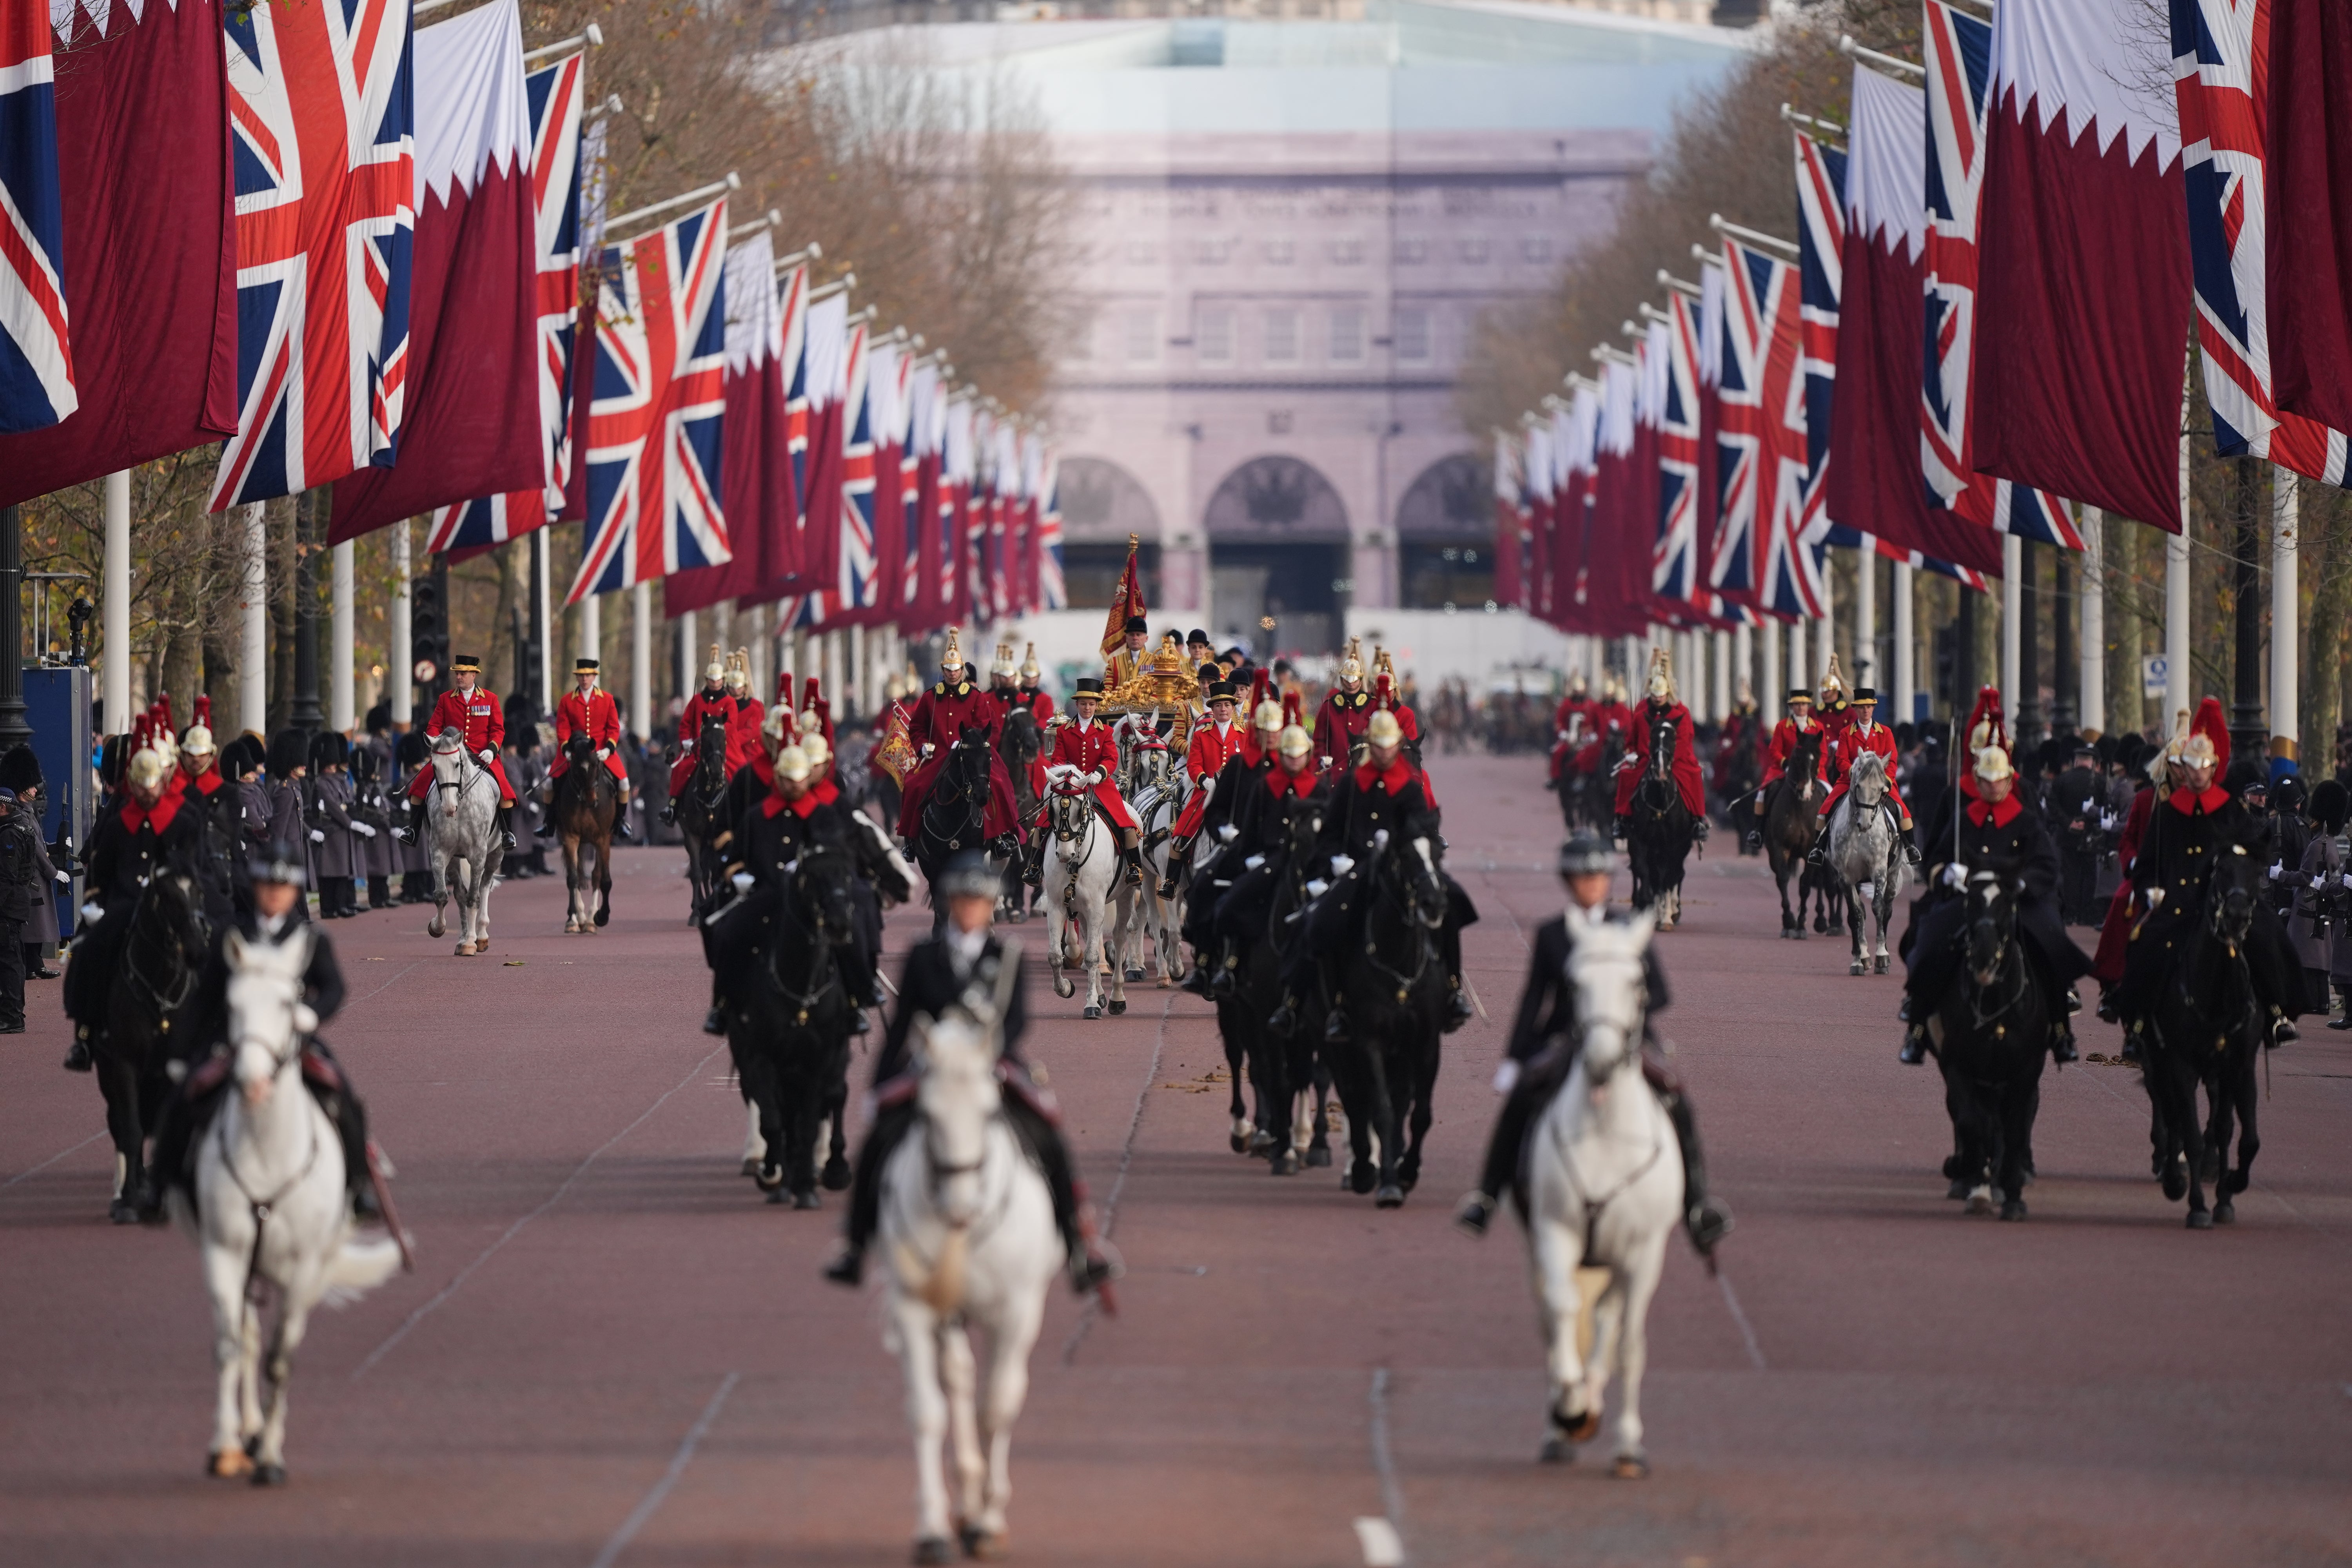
(1991, 1035)
(699, 804)
(148, 969)
(1793, 820)
(788, 1029)
(1660, 829)
(2206, 1026)
(1393, 987)
(1020, 743)
(1278, 1070)
(955, 813)
(1742, 767)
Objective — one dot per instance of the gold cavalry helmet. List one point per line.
(813, 746)
(1992, 764)
(1003, 664)
(1294, 741)
(776, 728)
(1384, 730)
(953, 660)
(197, 742)
(792, 763)
(739, 669)
(1268, 715)
(1831, 680)
(1353, 667)
(715, 672)
(149, 768)
(1030, 670)
(1661, 674)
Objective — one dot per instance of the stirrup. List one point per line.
(1707, 1223)
(1334, 1027)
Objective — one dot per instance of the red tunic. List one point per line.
(2114, 931)
(1784, 740)
(744, 732)
(1637, 760)
(701, 705)
(1840, 760)
(1339, 723)
(477, 714)
(1205, 756)
(1090, 747)
(598, 717)
(1039, 702)
(940, 720)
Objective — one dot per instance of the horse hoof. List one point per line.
(2225, 1213)
(1019, 916)
(464, 950)
(229, 1465)
(1286, 1163)
(751, 1168)
(2199, 1219)
(1557, 1451)
(2175, 1184)
(1855, 967)
(1390, 1196)
(1630, 1468)
(1241, 1141)
(1980, 1200)
(1063, 988)
(1361, 1179)
(269, 1474)
(1951, 1168)
(122, 1211)
(1134, 977)
(604, 918)
(835, 1176)
(1577, 1428)
(1117, 1007)
(1878, 964)
(571, 925)
(808, 1200)
(770, 1177)
(1958, 1189)
(933, 1549)
(1094, 1012)
(2013, 1209)
(2209, 1169)
(1318, 1156)
(482, 945)
(776, 1195)
(436, 927)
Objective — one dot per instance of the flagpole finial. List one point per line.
(1132, 540)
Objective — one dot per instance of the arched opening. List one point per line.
(1446, 537)
(1278, 552)
(1102, 504)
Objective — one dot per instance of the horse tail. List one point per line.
(359, 1266)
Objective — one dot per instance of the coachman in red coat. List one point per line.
(1862, 734)
(1086, 745)
(473, 710)
(589, 709)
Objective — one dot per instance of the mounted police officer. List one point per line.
(1995, 831)
(278, 880)
(1545, 1038)
(962, 967)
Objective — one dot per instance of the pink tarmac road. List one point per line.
(613, 1353)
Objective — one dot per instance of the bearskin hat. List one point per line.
(20, 770)
(412, 750)
(289, 750)
(2331, 804)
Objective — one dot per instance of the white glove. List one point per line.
(742, 880)
(1955, 875)
(603, 752)
(1342, 863)
(1317, 887)
(2318, 881)
(488, 755)
(1253, 862)
(1506, 1075)
(2278, 869)
(63, 880)
(317, 837)
(1227, 833)
(306, 1018)
(363, 828)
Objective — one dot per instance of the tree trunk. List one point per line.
(2121, 550)
(2330, 571)
(279, 528)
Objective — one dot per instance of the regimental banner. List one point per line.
(321, 103)
(657, 424)
(2221, 51)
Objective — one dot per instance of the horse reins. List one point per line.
(262, 1208)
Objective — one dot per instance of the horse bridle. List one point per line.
(164, 1006)
(805, 1003)
(2002, 957)
(1425, 945)
(466, 775)
(961, 794)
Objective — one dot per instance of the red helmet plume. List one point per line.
(810, 696)
(204, 712)
(1291, 709)
(1383, 690)
(1261, 686)
(2210, 723)
(784, 686)
(1987, 712)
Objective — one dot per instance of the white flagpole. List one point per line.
(342, 649)
(2286, 725)
(591, 629)
(690, 668)
(1775, 688)
(1865, 614)
(2093, 718)
(540, 564)
(116, 594)
(400, 679)
(641, 661)
(2176, 587)
(253, 640)
(1906, 684)
(2012, 558)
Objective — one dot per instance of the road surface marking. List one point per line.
(1119, 1183)
(1383, 1538)
(36, 1170)
(650, 1504)
(515, 1229)
(1746, 1330)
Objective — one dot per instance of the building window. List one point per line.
(1347, 333)
(1142, 335)
(1474, 250)
(1214, 335)
(1348, 252)
(1213, 252)
(1277, 252)
(1277, 421)
(1412, 333)
(1534, 248)
(1411, 252)
(1281, 337)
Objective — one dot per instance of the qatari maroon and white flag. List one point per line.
(2309, 229)
(471, 425)
(2083, 292)
(757, 475)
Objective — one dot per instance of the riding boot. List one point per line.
(621, 833)
(1458, 1008)
(169, 1168)
(1225, 978)
(1134, 858)
(1033, 869)
(1707, 1218)
(669, 812)
(503, 824)
(1178, 851)
(2061, 1041)
(1914, 1045)
(410, 830)
(890, 1127)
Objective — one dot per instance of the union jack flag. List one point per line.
(853, 582)
(1674, 568)
(554, 101)
(1959, 91)
(2221, 51)
(37, 378)
(1821, 269)
(792, 296)
(321, 105)
(1760, 447)
(656, 421)
(1053, 591)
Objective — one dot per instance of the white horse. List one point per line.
(1085, 892)
(1604, 1191)
(1867, 852)
(463, 847)
(270, 1209)
(1154, 789)
(967, 1230)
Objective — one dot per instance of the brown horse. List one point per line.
(587, 803)
(1792, 821)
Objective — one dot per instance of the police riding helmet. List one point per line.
(1586, 855)
(282, 863)
(969, 874)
